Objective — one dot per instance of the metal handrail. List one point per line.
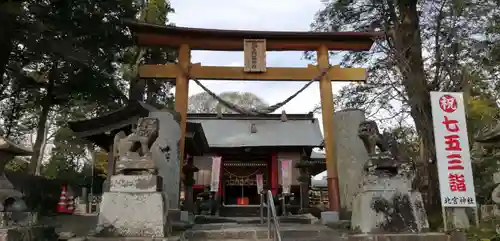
(274, 228)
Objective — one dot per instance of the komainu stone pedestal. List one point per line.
(386, 201)
(387, 204)
(134, 207)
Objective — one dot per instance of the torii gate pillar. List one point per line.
(325, 88)
(182, 93)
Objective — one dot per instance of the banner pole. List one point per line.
(445, 221)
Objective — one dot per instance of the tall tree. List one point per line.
(158, 90)
(75, 46)
(427, 47)
(155, 12)
(9, 11)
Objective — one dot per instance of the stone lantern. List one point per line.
(11, 200)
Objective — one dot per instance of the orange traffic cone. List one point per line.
(70, 204)
(61, 205)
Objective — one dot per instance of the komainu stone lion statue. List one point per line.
(386, 200)
(389, 158)
(140, 140)
(133, 149)
(371, 137)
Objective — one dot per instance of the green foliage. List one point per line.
(483, 169)
(66, 52)
(435, 220)
(68, 56)
(68, 60)
(486, 231)
(71, 160)
(157, 90)
(18, 164)
(61, 168)
(82, 40)
(41, 194)
(70, 155)
(407, 140)
(101, 163)
(483, 111)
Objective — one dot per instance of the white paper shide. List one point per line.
(215, 175)
(286, 175)
(452, 150)
(260, 183)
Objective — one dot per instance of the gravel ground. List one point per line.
(80, 225)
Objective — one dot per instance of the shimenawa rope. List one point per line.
(245, 111)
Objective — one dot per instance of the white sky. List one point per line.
(279, 15)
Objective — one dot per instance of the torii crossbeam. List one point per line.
(187, 39)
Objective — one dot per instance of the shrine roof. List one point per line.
(111, 121)
(234, 130)
(147, 34)
(101, 130)
(489, 135)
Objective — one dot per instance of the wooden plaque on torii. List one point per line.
(255, 44)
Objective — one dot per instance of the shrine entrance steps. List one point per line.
(240, 232)
(249, 229)
(295, 219)
(257, 232)
(295, 232)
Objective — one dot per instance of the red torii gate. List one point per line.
(255, 44)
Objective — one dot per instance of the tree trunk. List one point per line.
(44, 144)
(409, 46)
(137, 88)
(46, 105)
(8, 14)
(34, 167)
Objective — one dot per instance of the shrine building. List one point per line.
(247, 145)
(251, 145)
